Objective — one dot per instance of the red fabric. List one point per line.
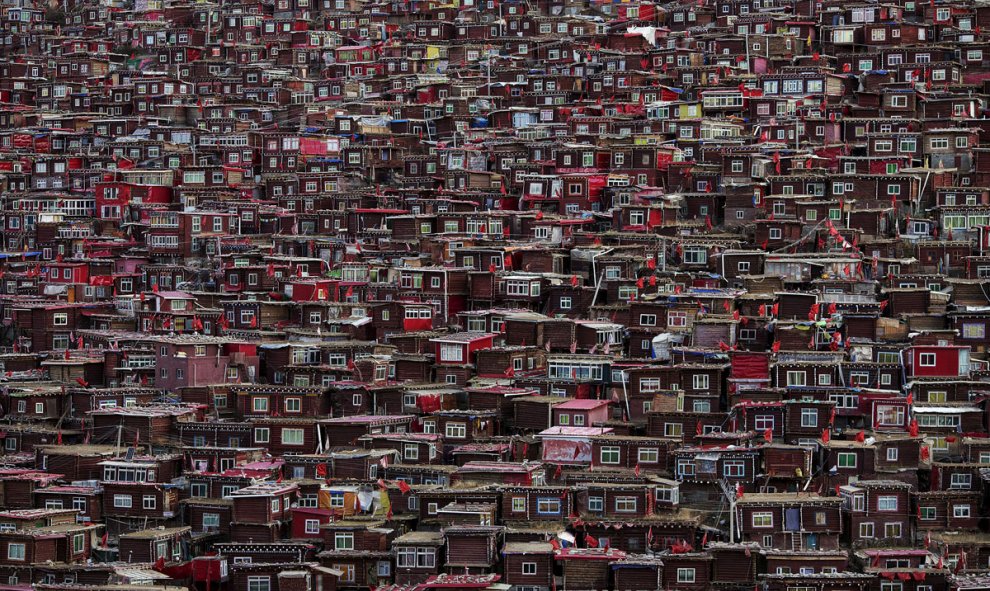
(428, 402)
(182, 571)
(312, 146)
(750, 366)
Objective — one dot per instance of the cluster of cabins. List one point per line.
(556, 295)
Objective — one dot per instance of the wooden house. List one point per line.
(800, 522)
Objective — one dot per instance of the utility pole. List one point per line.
(730, 493)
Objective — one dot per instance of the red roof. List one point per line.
(582, 404)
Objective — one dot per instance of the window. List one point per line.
(122, 501)
(960, 481)
(456, 430)
(887, 503)
(259, 584)
(648, 455)
(696, 255)
(972, 330)
(763, 519)
(259, 404)
(343, 540)
(546, 506)
(529, 568)
(148, 501)
(763, 422)
(809, 417)
(700, 381)
(734, 468)
(797, 378)
(451, 352)
(405, 557)
(518, 504)
(15, 551)
(685, 467)
(261, 435)
(866, 530)
(425, 557)
(292, 436)
(312, 526)
(846, 460)
(685, 575)
(676, 319)
(891, 454)
(926, 360)
(609, 455)
(647, 319)
(596, 504)
(892, 530)
(625, 504)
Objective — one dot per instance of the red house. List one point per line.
(581, 412)
(416, 316)
(57, 272)
(458, 348)
(112, 197)
(309, 290)
(937, 361)
(306, 522)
